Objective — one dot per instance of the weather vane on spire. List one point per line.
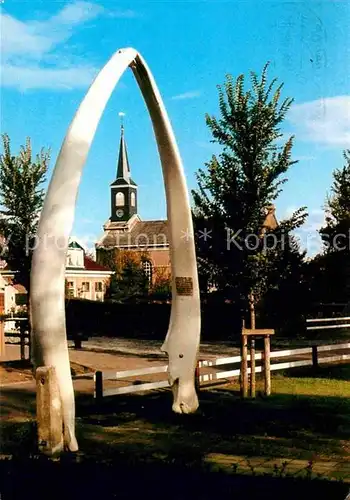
(121, 114)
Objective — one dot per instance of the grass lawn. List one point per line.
(307, 418)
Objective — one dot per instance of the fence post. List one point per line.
(2, 338)
(48, 411)
(99, 386)
(22, 343)
(267, 372)
(244, 366)
(77, 341)
(252, 367)
(30, 345)
(197, 383)
(314, 357)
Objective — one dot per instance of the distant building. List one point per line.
(13, 297)
(85, 278)
(270, 222)
(125, 231)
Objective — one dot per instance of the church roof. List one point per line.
(142, 234)
(153, 232)
(119, 182)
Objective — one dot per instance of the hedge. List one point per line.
(146, 320)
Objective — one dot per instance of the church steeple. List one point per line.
(123, 168)
(123, 189)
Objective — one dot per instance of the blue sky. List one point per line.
(50, 52)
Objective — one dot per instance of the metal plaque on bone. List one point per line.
(184, 286)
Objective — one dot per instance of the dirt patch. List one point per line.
(21, 371)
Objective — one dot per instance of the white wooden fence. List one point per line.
(310, 357)
(326, 325)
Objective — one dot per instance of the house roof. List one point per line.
(142, 234)
(74, 244)
(20, 288)
(270, 221)
(91, 265)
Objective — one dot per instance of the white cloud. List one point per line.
(186, 95)
(35, 77)
(17, 38)
(33, 39)
(76, 13)
(29, 49)
(307, 235)
(324, 121)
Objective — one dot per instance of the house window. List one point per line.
(70, 289)
(99, 286)
(133, 199)
(85, 286)
(119, 199)
(147, 269)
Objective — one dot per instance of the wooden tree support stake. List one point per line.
(48, 411)
(267, 370)
(251, 334)
(252, 368)
(244, 367)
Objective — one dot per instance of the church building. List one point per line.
(125, 232)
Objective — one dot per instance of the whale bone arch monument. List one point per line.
(47, 298)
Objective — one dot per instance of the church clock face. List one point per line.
(120, 212)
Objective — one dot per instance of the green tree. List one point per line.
(330, 270)
(21, 200)
(235, 252)
(335, 234)
(287, 299)
(160, 288)
(129, 281)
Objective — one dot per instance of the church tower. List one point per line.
(123, 189)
